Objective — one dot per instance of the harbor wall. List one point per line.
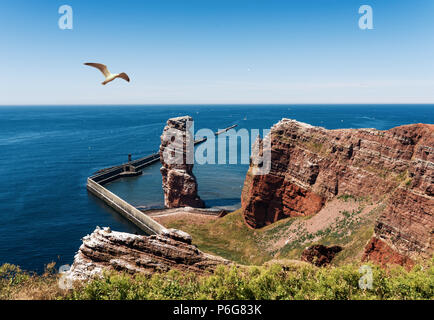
(140, 219)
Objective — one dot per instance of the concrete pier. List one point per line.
(95, 185)
(140, 219)
(226, 130)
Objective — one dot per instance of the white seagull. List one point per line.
(107, 74)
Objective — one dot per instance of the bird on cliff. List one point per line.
(107, 74)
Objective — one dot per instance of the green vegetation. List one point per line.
(349, 197)
(261, 275)
(351, 231)
(275, 281)
(315, 146)
(402, 176)
(17, 284)
(230, 238)
(346, 197)
(268, 279)
(346, 213)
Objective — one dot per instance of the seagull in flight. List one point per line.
(107, 74)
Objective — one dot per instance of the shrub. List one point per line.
(276, 282)
(284, 281)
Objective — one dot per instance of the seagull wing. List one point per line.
(124, 76)
(100, 67)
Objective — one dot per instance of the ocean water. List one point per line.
(46, 154)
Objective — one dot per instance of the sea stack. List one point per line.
(177, 158)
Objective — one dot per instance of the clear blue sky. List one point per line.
(217, 51)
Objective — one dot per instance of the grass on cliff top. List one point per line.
(284, 281)
(351, 232)
(19, 285)
(230, 238)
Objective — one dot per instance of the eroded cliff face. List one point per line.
(311, 165)
(176, 157)
(110, 250)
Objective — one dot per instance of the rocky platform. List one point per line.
(110, 250)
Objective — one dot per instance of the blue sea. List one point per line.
(46, 154)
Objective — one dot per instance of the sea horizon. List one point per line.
(222, 104)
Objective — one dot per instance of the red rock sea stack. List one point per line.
(179, 182)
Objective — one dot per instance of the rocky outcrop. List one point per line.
(320, 255)
(110, 250)
(311, 165)
(379, 251)
(176, 156)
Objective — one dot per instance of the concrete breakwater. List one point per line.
(95, 185)
(132, 168)
(226, 130)
(140, 219)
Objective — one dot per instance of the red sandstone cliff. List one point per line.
(176, 157)
(311, 165)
